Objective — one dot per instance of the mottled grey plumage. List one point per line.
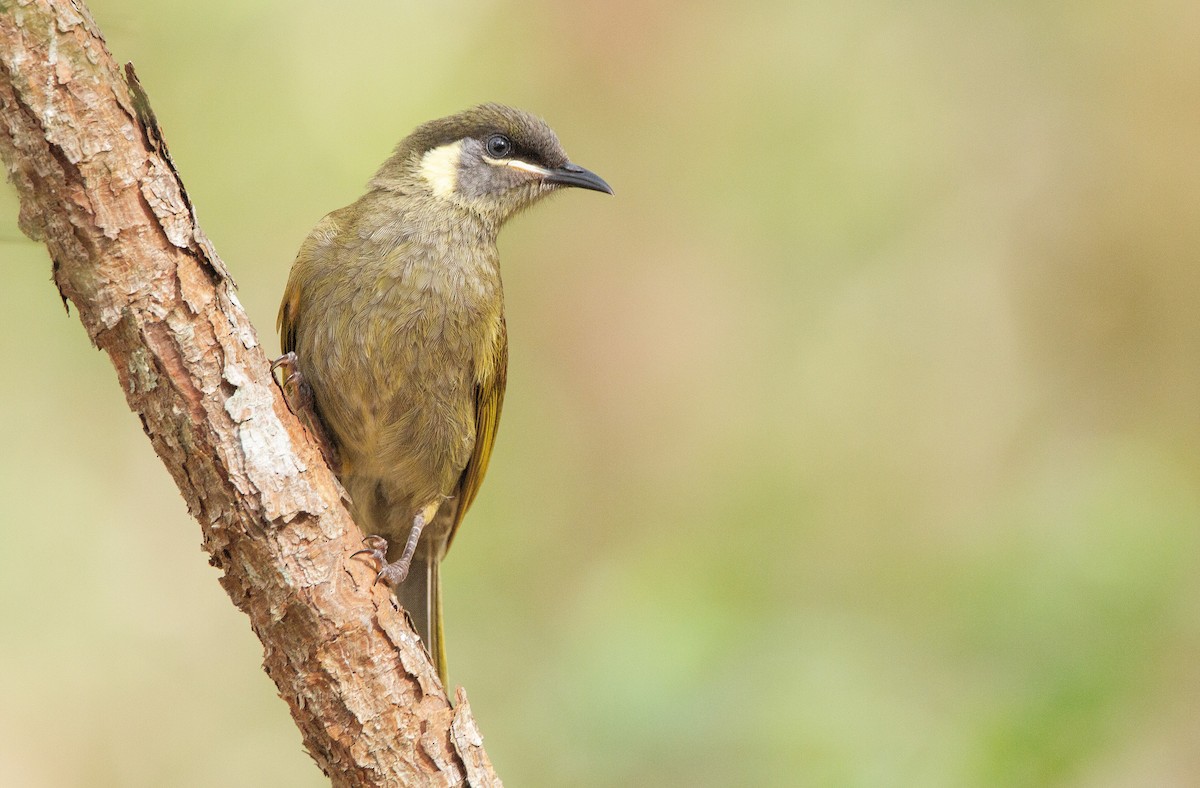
(395, 311)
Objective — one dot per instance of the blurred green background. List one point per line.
(855, 442)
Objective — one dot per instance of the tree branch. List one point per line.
(98, 187)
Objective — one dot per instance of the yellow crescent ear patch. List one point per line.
(439, 168)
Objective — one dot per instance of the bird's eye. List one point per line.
(499, 146)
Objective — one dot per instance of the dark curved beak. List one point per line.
(573, 175)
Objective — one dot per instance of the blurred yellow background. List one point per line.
(854, 442)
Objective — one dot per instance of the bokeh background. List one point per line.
(854, 442)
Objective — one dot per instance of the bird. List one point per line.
(393, 334)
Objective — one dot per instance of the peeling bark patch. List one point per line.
(244, 331)
(444, 761)
(142, 377)
(468, 743)
(160, 343)
(194, 287)
(190, 237)
(271, 462)
(411, 650)
(162, 195)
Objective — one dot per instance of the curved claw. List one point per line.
(392, 574)
(376, 547)
(286, 360)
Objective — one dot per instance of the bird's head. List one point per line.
(492, 160)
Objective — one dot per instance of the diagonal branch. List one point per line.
(98, 187)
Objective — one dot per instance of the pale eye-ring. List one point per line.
(499, 146)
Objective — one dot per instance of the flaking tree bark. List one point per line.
(98, 187)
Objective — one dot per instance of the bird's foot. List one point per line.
(299, 398)
(392, 574)
(295, 388)
(395, 573)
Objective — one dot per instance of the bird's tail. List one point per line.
(421, 596)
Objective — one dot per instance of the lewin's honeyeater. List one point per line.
(392, 327)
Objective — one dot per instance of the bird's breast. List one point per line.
(422, 335)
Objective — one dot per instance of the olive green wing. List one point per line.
(489, 398)
(319, 245)
(285, 323)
